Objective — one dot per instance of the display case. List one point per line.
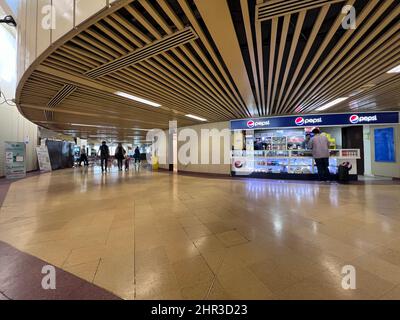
(289, 162)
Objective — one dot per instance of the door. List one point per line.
(353, 138)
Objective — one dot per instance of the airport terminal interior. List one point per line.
(200, 150)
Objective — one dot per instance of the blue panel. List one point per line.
(316, 120)
(385, 150)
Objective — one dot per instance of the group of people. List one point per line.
(120, 155)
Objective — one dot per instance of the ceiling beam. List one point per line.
(219, 23)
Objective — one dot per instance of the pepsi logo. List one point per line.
(354, 119)
(300, 121)
(251, 124)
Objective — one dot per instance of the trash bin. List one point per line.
(344, 172)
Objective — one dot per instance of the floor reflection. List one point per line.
(189, 237)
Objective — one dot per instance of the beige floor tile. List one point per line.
(117, 275)
(272, 276)
(181, 251)
(328, 285)
(379, 267)
(217, 292)
(159, 295)
(151, 259)
(50, 253)
(231, 238)
(192, 271)
(189, 222)
(209, 238)
(198, 291)
(209, 243)
(214, 259)
(388, 254)
(393, 294)
(151, 283)
(86, 271)
(218, 227)
(197, 232)
(241, 283)
(84, 255)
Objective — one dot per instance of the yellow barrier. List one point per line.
(155, 163)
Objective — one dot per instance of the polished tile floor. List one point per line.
(153, 235)
(21, 278)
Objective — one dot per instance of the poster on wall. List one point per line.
(43, 159)
(385, 150)
(15, 160)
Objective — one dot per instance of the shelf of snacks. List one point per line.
(289, 161)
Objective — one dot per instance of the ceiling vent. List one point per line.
(269, 10)
(61, 95)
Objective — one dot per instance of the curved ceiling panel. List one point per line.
(215, 59)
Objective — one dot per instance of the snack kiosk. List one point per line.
(275, 147)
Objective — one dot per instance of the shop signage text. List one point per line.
(338, 119)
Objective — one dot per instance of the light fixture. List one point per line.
(331, 104)
(395, 70)
(196, 117)
(131, 97)
(105, 127)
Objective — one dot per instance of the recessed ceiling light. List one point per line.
(105, 127)
(367, 86)
(131, 97)
(331, 104)
(196, 117)
(91, 126)
(395, 70)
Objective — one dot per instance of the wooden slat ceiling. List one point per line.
(217, 59)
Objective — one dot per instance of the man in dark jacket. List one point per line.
(104, 156)
(137, 157)
(120, 153)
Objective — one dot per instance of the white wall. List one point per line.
(367, 151)
(13, 126)
(221, 168)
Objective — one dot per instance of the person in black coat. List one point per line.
(104, 156)
(120, 153)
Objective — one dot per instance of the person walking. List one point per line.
(319, 145)
(127, 163)
(137, 156)
(306, 142)
(104, 152)
(120, 153)
(83, 157)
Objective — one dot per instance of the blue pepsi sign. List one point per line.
(320, 120)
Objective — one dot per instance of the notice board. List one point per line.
(43, 159)
(15, 161)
